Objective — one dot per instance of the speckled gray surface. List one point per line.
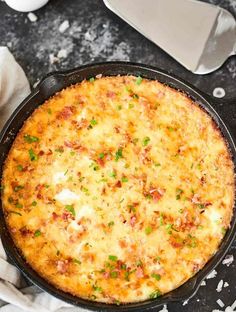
(95, 34)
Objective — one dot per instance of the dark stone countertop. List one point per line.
(95, 34)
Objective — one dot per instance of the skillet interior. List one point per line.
(55, 82)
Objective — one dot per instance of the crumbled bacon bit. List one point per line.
(101, 162)
(111, 94)
(67, 112)
(62, 266)
(54, 215)
(139, 272)
(160, 94)
(143, 156)
(28, 168)
(66, 215)
(24, 231)
(196, 267)
(49, 152)
(83, 123)
(39, 187)
(106, 275)
(117, 129)
(118, 184)
(75, 145)
(156, 193)
(176, 244)
(196, 199)
(133, 220)
(122, 243)
(41, 153)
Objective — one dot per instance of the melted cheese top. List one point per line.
(118, 189)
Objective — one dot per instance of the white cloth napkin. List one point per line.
(14, 297)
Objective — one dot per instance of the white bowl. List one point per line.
(26, 5)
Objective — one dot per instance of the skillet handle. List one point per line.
(226, 108)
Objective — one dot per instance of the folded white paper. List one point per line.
(14, 87)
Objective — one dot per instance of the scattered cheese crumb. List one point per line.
(164, 309)
(228, 260)
(219, 286)
(219, 92)
(62, 53)
(220, 303)
(203, 283)
(53, 59)
(32, 17)
(212, 274)
(36, 83)
(233, 306)
(64, 26)
(226, 284)
(185, 302)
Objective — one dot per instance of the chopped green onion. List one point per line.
(148, 230)
(59, 150)
(112, 174)
(135, 96)
(117, 302)
(223, 230)
(139, 263)
(112, 258)
(146, 140)
(18, 188)
(96, 288)
(201, 206)
(32, 155)
(139, 80)
(114, 274)
(156, 276)
(119, 154)
(124, 179)
(15, 212)
(37, 233)
(101, 155)
(155, 294)
(71, 209)
(178, 193)
(18, 205)
(92, 79)
(19, 167)
(34, 203)
(30, 139)
(49, 111)
(111, 223)
(77, 261)
(93, 122)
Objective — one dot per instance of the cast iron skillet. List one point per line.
(50, 85)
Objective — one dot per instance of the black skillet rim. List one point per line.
(56, 81)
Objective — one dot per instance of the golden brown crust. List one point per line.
(118, 189)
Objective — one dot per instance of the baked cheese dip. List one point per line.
(118, 189)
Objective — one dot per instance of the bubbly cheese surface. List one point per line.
(118, 189)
